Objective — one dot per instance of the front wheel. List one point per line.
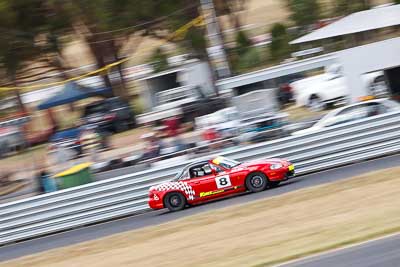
(175, 201)
(316, 104)
(256, 182)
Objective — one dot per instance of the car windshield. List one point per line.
(225, 162)
(180, 174)
(95, 108)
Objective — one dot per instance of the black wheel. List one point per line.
(273, 184)
(121, 126)
(105, 139)
(175, 201)
(315, 103)
(256, 182)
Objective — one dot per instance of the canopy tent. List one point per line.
(73, 92)
(368, 20)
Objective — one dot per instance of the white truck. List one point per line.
(319, 91)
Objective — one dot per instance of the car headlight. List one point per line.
(276, 166)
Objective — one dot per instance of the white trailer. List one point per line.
(164, 93)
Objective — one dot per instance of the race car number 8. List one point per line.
(223, 181)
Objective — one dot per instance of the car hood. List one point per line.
(264, 162)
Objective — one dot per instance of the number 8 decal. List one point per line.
(223, 181)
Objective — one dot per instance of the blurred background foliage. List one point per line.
(304, 12)
(160, 60)
(34, 33)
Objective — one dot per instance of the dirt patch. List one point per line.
(256, 234)
(12, 187)
(302, 113)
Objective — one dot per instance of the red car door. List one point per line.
(210, 181)
(204, 187)
(228, 180)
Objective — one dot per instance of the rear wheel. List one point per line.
(175, 201)
(256, 182)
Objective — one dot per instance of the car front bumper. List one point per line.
(285, 173)
(155, 204)
(290, 171)
(290, 175)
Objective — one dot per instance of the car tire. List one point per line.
(256, 182)
(175, 201)
(315, 103)
(379, 87)
(273, 184)
(121, 126)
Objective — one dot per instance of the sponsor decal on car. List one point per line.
(210, 193)
(223, 181)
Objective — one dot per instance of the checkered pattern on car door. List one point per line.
(182, 186)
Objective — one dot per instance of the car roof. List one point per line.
(197, 163)
(364, 102)
(379, 100)
(338, 110)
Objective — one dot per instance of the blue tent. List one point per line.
(73, 92)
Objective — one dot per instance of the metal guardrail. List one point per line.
(127, 194)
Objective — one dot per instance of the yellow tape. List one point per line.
(74, 169)
(181, 32)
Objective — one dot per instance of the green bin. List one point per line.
(77, 175)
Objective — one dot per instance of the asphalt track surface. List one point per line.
(157, 217)
(377, 253)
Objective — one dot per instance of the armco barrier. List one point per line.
(127, 194)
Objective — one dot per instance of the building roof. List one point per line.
(376, 18)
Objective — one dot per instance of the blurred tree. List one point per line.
(279, 47)
(243, 43)
(106, 26)
(304, 12)
(36, 31)
(17, 46)
(194, 41)
(344, 7)
(245, 56)
(159, 60)
(232, 9)
(248, 61)
(103, 20)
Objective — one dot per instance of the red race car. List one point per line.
(218, 177)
